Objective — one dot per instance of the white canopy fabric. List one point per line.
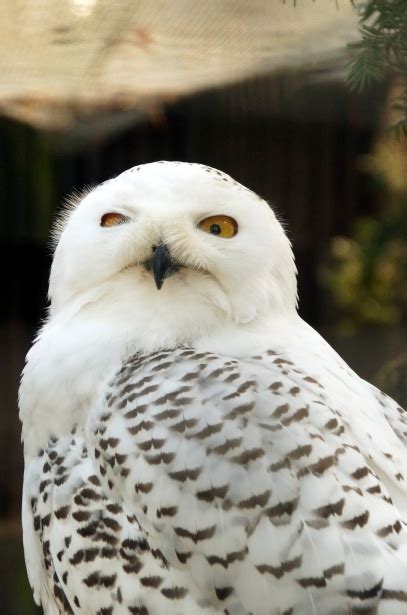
(61, 58)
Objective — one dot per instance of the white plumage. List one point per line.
(199, 448)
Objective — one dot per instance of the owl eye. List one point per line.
(221, 226)
(113, 219)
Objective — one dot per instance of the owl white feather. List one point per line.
(191, 445)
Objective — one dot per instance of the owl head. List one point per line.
(172, 237)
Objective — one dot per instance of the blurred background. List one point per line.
(259, 89)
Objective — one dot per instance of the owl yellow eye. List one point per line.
(113, 219)
(221, 226)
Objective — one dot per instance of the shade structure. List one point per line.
(61, 58)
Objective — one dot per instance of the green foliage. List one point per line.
(368, 270)
(392, 377)
(382, 50)
(367, 276)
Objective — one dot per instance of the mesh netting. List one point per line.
(59, 58)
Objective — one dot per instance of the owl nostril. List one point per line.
(160, 245)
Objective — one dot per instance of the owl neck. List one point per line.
(80, 347)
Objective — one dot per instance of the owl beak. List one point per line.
(161, 264)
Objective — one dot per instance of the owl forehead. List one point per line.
(177, 172)
(181, 188)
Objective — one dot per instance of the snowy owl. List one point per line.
(191, 445)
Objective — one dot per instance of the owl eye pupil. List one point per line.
(215, 229)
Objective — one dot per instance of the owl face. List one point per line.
(176, 230)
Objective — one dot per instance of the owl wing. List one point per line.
(243, 475)
(85, 553)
